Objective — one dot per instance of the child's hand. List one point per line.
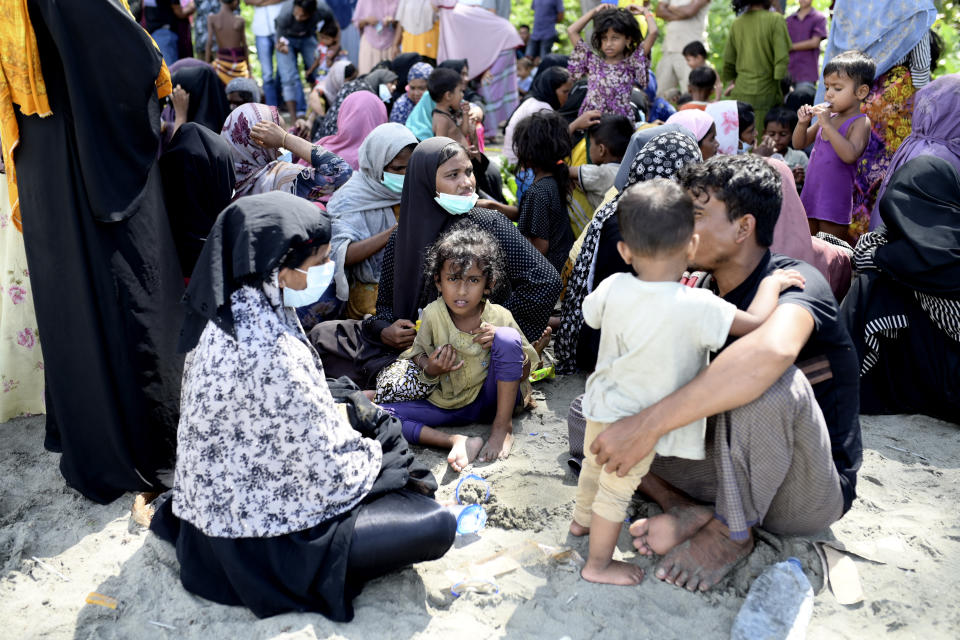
(282, 45)
(602, 7)
(587, 119)
(766, 148)
(443, 360)
(822, 113)
(799, 174)
(267, 134)
(483, 203)
(786, 278)
(483, 335)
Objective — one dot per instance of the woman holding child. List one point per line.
(439, 189)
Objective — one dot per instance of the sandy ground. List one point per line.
(909, 490)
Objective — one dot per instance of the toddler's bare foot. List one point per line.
(663, 532)
(498, 445)
(543, 341)
(463, 451)
(616, 572)
(578, 529)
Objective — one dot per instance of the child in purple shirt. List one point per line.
(807, 27)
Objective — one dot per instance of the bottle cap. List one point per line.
(795, 562)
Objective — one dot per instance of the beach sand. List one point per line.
(906, 518)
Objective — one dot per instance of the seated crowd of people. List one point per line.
(743, 261)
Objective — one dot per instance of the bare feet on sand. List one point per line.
(499, 444)
(616, 572)
(703, 560)
(578, 529)
(463, 451)
(661, 533)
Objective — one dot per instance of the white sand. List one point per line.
(907, 504)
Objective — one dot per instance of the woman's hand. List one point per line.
(399, 335)
(268, 134)
(484, 334)
(444, 360)
(766, 148)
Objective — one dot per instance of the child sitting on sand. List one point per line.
(656, 335)
(471, 348)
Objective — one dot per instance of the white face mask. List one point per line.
(457, 205)
(318, 279)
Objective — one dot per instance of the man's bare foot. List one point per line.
(578, 529)
(498, 445)
(543, 341)
(702, 561)
(617, 572)
(663, 532)
(463, 451)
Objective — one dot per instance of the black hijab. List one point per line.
(552, 60)
(456, 65)
(249, 239)
(921, 212)
(545, 85)
(401, 66)
(208, 98)
(198, 182)
(422, 221)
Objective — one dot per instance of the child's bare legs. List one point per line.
(600, 566)
(501, 432)
(463, 449)
(506, 367)
(841, 231)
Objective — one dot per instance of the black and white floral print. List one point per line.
(261, 448)
(662, 157)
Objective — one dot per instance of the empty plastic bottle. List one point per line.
(778, 605)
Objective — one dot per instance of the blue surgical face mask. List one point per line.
(393, 181)
(457, 205)
(385, 94)
(318, 279)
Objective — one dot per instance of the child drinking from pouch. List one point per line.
(620, 59)
(471, 348)
(656, 335)
(840, 134)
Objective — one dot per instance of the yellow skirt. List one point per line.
(426, 43)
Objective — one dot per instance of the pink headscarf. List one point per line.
(727, 118)
(696, 121)
(360, 113)
(791, 237)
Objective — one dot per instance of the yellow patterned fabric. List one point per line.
(21, 83)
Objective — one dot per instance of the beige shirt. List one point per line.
(596, 180)
(680, 33)
(461, 387)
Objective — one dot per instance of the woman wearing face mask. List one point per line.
(438, 190)
(281, 501)
(363, 213)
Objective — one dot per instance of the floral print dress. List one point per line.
(262, 450)
(609, 85)
(21, 373)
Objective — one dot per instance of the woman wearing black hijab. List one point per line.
(281, 501)
(438, 167)
(103, 266)
(903, 309)
(198, 181)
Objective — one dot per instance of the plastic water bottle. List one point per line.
(778, 605)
